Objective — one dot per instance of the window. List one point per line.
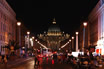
(1, 48)
(0, 37)
(4, 18)
(1, 15)
(1, 26)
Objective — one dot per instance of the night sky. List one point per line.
(37, 15)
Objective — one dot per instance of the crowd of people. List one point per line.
(55, 58)
(78, 62)
(61, 58)
(87, 61)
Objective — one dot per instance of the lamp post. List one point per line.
(33, 40)
(72, 43)
(28, 33)
(33, 37)
(19, 24)
(84, 24)
(77, 41)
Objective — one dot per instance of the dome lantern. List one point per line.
(54, 21)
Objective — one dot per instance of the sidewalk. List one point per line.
(17, 61)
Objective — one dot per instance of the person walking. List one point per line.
(35, 60)
(0, 59)
(38, 61)
(5, 61)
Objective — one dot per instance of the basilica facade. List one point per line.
(53, 36)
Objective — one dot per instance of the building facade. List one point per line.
(7, 25)
(96, 22)
(95, 28)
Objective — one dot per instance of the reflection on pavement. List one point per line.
(44, 64)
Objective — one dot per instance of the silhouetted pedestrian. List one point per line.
(0, 58)
(5, 61)
(35, 60)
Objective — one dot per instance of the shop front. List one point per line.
(100, 47)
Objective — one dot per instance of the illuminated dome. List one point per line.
(54, 28)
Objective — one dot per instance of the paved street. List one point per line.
(45, 65)
(28, 63)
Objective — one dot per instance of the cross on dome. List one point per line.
(54, 21)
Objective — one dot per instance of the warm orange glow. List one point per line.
(69, 40)
(72, 37)
(77, 33)
(36, 40)
(30, 39)
(18, 23)
(54, 22)
(85, 24)
(33, 37)
(28, 32)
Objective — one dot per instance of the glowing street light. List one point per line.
(72, 37)
(69, 40)
(77, 41)
(28, 39)
(70, 47)
(84, 24)
(72, 43)
(28, 32)
(77, 33)
(33, 37)
(36, 40)
(19, 24)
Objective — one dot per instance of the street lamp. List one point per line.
(77, 41)
(19, 24)
(69, 40)
(33, 40)
(69, 44)
(72, 37)
(36, 40)
(28, 33)
(72, 43)
(33, 37)
(84, 24)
